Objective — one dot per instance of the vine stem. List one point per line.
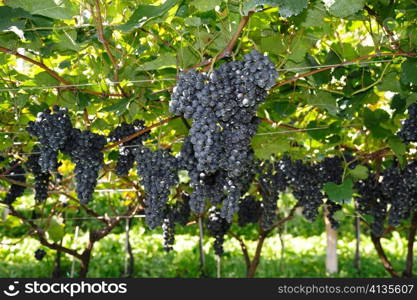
(252, 265)
(41, 234)
(408, 272)
(228, 50)
(102, 39)
(391, 36)
(129, 259)
(357, 258)
(140, 132)
(382, 256)
(295, 78)
(56, 75)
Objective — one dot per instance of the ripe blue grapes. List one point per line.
(178, 213)
(40, 254)
(41, 178)
(249, 211)
(158, 171)
(16, 173)
(372, 201)
(126, 149)
(84, 149)
(408, 131)
(217, 227)
(399, 185)
(52, 128)
(272, 180)
(223, 108)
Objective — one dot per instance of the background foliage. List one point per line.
(347, 74)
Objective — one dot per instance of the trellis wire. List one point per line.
(64, 86)
(95, 191)
(138, 216)
(37, 152)
(336, 65)
(67, 27)
(295, 130)
(93, 218)
(173, 79)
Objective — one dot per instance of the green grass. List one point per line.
(303, 257)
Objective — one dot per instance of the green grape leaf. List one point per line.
(340, 193)
(55, 230)
(411, 99)
(325, 101)
(321, 134)
(10, 17)
(67, 40)
(55, 9)
(313, 16)
(409, 71)
(343, 8)
(374, 120)
(390, 82)
(44, 79)
(321, 77)
(20, 100)
(119, 107)
(205, 5)
(274, 44)
(397, 146)
(269, 144)
(145, 13)
(165, 60)
(281, 109)
(193, 21)
(287, 8)
(359, 172)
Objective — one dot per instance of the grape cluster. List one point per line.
(84, 149)
(40, 254)
(332, 208)
(179, 213)
(181, 210)
(408, 131)
(16, 173)
(56, 133)
(372, 202)
(41, 178)
(168, 232)
(217, 227)
(249, 211)
(52, 128)
(223, 108)
(126, 149)
(272, 180)
(331, 169)
(205, 186)
(159, 172)
(306, 184)
(400, 187)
